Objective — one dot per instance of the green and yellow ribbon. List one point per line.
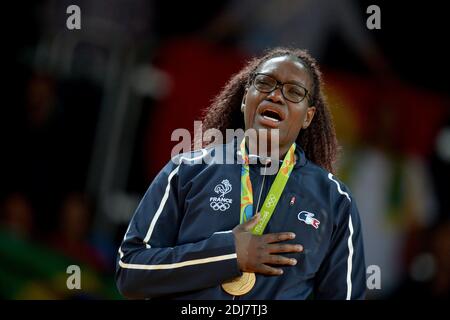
(270, 203)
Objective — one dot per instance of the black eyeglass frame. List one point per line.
(280, 85)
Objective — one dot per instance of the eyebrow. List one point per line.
(290, 82)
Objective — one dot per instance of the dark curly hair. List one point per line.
(318, 140)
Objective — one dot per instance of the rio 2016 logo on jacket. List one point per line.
(221, 203)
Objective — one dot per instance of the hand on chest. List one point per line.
(215, 205)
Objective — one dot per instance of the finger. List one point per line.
(248, 225)
(270, 271)
(277, 248)
(276, 237)
(277, 259)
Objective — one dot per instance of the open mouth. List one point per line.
(272, 115)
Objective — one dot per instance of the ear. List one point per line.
(309, 116)
(244, 98)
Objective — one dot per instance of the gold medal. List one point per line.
(240, 285)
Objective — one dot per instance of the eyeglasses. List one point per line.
(292, 92)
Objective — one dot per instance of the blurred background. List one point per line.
(88, 114)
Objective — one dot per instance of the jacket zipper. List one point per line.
(261, 191)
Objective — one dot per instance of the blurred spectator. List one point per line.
(440, 167)
(428, 269)
(17, 215)
(50, 150)
(31, 136)
(440, 248)
(40, 101)
(72, 235)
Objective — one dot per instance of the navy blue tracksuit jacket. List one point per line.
(179, 243)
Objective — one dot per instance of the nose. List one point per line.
(276, 95)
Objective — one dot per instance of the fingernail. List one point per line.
(300, 248)
(293, 262)
(292, 235)
(280, 272)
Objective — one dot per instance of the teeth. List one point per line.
(270, 118)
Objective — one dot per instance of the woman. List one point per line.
(208, 230)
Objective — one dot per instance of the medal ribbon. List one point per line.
(275, 191)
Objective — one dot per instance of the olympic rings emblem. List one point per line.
(271, 201)
(222, 206)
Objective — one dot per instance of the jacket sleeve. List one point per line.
(151, 263)
(342, 274)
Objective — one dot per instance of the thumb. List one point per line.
(252, 222)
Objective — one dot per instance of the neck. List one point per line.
(284, 150)
(254, 148)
